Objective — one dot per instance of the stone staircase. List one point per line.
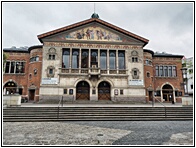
(31, 114)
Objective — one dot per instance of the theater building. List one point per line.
(94, 60)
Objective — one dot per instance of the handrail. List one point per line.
(163, 106)
(60, 103)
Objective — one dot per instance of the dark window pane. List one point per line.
(103, 59)
(12, 67)
(66, 55)
(7, 66)
(112, 60)
(75, 59)
(85, 59)
(121, 60)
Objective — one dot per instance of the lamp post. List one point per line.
(184, 73)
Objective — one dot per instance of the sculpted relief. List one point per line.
(91, 33)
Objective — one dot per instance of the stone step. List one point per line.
(28, 114)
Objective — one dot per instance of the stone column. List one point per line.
(80, 59)
(174, 96)
(117, 61)
(98, 58)
(15, 67)
(89, 58)
(9, 67)
(126, 60)
(108, 64)
(70, 60)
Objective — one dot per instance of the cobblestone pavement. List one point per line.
(98, 133)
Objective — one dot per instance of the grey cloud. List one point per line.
(168, 26)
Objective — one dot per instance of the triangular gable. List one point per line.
(92, 30)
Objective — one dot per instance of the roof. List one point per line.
(149, 51)
(164, 54)
(41, 36)
(34, 47)
(14, 49)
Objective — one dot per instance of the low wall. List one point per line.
(11, 100)
(187, 100)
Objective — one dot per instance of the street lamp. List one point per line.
(185, 80)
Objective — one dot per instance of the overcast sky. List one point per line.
(167, 26)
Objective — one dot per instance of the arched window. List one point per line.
(75, 58)
(135, 73)
(66, 56)
(112, 59)
(52, 54)
(84, 62)
(134, 56)
(103, 59)
(94, 57)
(121, 60)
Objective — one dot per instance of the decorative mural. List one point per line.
(91, 33)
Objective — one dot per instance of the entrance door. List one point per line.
(167, 91)
(104, 91)
(83, 91)
(168, 97)
(31, 95)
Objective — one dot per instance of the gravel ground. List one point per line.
(98, 133)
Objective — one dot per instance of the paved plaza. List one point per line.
(98, 133)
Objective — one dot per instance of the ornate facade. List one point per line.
(95, 60)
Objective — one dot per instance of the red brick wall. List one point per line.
(20, 79)
(175, 81)
(149, 85)
(23, 80)
(35, 80)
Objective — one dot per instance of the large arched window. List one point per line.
(75, 58)
(94, 57)
(121, 60)
(84, 62)
(66, 56)
(103, 59)
(112, 60)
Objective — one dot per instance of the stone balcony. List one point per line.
(92, 71)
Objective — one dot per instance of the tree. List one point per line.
(5, 56)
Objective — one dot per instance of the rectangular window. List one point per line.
(65, 91)
(66, 56)
(121, 60)
(174, 71)
(94, 57)
(7, 67)
(157, 70)
(112, 58)
(12, 67)
(161, 71)
(165, 71)
(50, 71)
(71, 91)
(121, 92)
(103, 59)
(75, 58)
(84, 58)
(170, 71)
(191, 86)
